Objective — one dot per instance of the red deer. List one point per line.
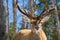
(36, 32)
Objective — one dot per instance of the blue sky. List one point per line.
(19, 15)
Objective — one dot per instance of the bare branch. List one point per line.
(44, 14)
(28, 14)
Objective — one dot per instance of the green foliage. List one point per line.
(59, 15)
(50, 28)
(55, 35)
(43, 1)
(11, 31)
(58, 6)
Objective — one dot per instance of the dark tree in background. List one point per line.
(3, 34)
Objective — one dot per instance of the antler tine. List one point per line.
(24, 12)
(44, 14)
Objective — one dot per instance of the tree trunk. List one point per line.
(58, 25)
(14, 15)
(57, 19)
(7, 21)
(3, 34)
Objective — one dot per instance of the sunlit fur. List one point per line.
(29, 35)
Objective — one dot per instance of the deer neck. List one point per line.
(32, 27)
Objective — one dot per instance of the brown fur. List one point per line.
(26, 34)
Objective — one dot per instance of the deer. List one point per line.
(36, 32)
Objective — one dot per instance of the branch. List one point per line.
(44, 14)
(24, 12)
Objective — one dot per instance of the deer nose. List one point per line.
(37, 28)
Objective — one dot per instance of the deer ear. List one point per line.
(44, 15)
(45, 19)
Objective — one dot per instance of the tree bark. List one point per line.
(14, 15)
(7, 21)
(57, 18)
(58, 24)
(3, 34)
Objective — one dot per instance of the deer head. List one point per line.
(35, 21)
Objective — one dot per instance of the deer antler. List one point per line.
(44, 14)
(28, 14)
